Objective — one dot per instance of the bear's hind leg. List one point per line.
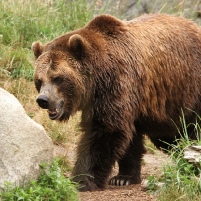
(130, 164)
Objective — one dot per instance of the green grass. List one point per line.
(61, 133)
(182, 179)
(50, 186)
(26, 21)
(15, 62)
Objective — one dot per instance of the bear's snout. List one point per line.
(43, 101)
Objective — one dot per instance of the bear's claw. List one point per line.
(123, 180)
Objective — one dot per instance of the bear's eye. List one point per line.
(57, 80)
(38, 84)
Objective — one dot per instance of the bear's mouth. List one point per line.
(57, 112)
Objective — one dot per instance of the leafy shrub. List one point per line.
(51, 186)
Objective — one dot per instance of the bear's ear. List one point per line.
(37, 48)
(107, 24)
(77, 45)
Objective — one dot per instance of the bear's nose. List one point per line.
(43, 101)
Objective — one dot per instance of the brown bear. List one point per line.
(129, 78)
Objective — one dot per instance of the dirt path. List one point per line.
(133, 192)
(152, 165)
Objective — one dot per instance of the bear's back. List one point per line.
(166, 51)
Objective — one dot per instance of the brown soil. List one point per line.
(133, 192)
(152, 165)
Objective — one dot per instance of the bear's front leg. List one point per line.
(130, 163)
(96, 155)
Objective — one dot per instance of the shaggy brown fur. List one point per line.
(128, 79)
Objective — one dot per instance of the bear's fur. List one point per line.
(129, 78)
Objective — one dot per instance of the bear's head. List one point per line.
(58, 76)
(65, 66)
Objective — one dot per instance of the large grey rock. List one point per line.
(129, 9)
(24, 144)
(134, 8)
